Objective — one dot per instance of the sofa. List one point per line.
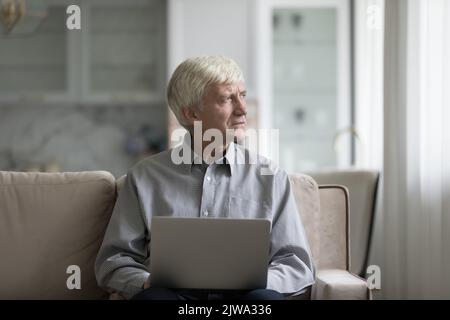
(52, 225)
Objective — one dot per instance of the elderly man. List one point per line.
(210, 91)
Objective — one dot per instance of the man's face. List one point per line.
(224, 107)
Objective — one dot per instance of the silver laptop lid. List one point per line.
(209, 253)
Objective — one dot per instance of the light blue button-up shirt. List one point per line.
(157, 186)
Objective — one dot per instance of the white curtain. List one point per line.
(415, 212)
(369, 86)
(369, 28)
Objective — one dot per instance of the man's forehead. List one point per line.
(229, 87)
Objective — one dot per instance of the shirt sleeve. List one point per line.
(291, 268)
(119, 266)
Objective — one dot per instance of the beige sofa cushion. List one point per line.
(49, 221)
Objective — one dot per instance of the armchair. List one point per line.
(362, 186)
(324, 211)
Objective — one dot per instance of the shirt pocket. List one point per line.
(239, 207)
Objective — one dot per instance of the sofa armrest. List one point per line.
(334, 284)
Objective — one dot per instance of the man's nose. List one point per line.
(240, 106)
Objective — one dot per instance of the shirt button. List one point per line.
(206, 213)
(208, 178)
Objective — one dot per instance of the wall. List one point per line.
(73, 138)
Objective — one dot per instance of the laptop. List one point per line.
(209, 253)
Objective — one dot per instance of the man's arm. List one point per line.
(291, 268)
(120, 262)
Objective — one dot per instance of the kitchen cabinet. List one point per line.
(119, 55)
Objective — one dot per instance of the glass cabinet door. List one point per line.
(35, 62)
(307, 108)
(126, 47)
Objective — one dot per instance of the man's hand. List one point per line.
(147, 283)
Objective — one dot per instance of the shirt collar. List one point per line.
(230, 155)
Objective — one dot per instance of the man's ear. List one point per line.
(190, 114)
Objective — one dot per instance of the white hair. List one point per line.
(190, 79)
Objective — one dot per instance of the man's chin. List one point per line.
(239, 134)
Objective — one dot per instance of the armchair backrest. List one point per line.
(362, 186)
